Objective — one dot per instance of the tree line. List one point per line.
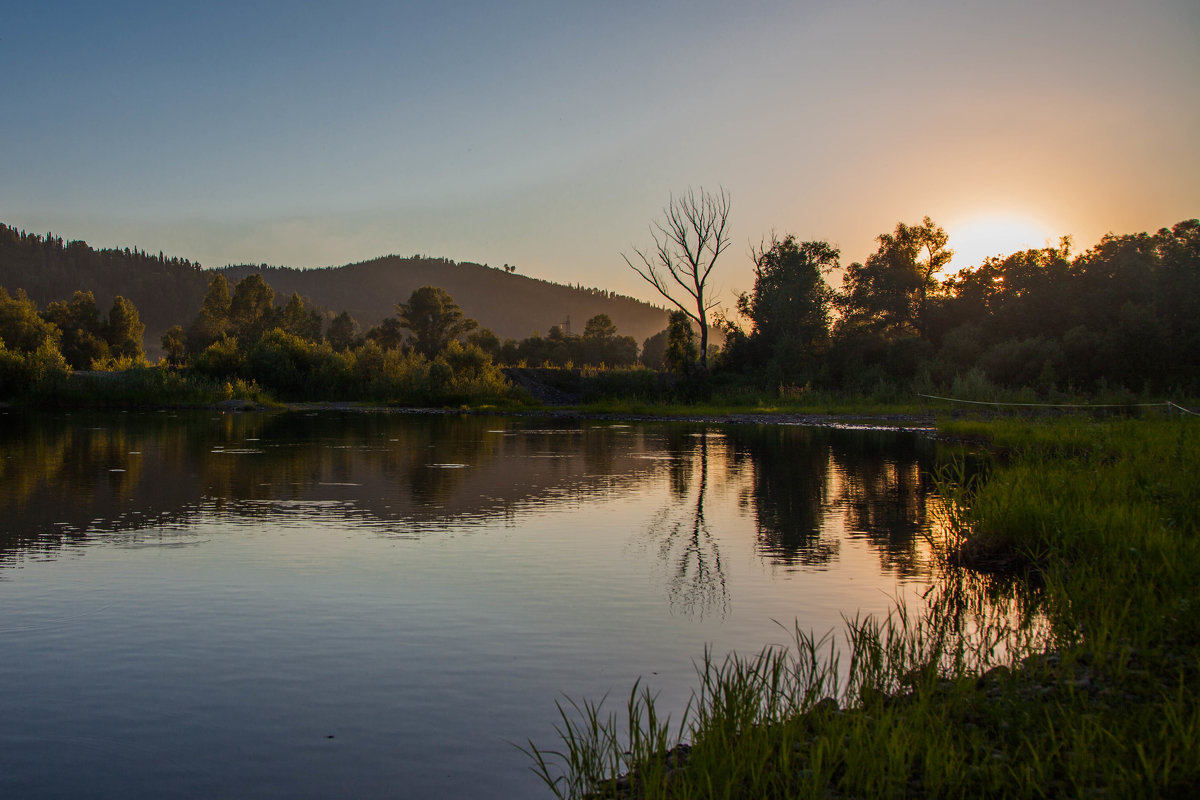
(1125, 313)
(49, 268)
(1122, 314)
(429, 348)
(168, 290)
(68, 334)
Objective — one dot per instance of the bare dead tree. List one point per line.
(686, 247)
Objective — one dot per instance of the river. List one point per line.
(314, 605)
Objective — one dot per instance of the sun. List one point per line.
(994, 235)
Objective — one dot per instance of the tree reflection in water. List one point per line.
(884, 490)
(684, 543)
(788, 491)
(801, 481)
(810, 491)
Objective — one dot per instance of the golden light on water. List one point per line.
(995, 235)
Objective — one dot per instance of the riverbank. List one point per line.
(1082, 682)
(625, 395)
(849, 419)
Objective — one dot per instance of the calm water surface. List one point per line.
(312, 606)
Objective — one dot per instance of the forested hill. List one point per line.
(165, 290)
(168, 291)
(513, 306)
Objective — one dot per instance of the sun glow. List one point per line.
(997, 235)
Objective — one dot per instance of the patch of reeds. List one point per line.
(1081, 683)
(141, 387)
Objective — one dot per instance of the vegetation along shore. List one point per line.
(1117, 323)
(1057, 656)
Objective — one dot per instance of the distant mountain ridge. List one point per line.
(168, 291)
(513, 306)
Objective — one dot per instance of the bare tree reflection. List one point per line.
(679, 444)
(685, 544)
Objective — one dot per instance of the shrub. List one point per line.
(220, 359)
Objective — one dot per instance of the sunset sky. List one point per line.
(549, 134)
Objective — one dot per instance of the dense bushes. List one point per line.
(600, 345)
(21, 373)
(293, 368)
(38, 349)
(245, 338)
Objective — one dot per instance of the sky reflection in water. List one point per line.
(192, 605)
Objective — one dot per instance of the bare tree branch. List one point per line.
(687, 244)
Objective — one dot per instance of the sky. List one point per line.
(549, 135)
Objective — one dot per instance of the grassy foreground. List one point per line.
(1074, 673)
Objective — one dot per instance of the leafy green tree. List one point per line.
(246, 315)
(681, 342)
(174, 344)
(1178, 293)
(533, 350)
(434, 319)
(600, 344)
(250, 309)
(342, 333)
(124, 331)
(654, 350)
(890, 294)
(22, 328)
(600, 328)
(560, 353)
(22, 371)
(473, 367)
(294, 366)
(1021, 295)
(486, 340)
(221, 359)
(83, 340)
(789, 307)
(217, 299)
(389, 334)
(295, 318)
(510, 352)
(212, 322)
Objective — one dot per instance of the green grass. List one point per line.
(1076, 676)
(646, 408)
(161, 386)
(722, 398)
(140, 387)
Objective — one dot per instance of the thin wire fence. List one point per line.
(1168, 404)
